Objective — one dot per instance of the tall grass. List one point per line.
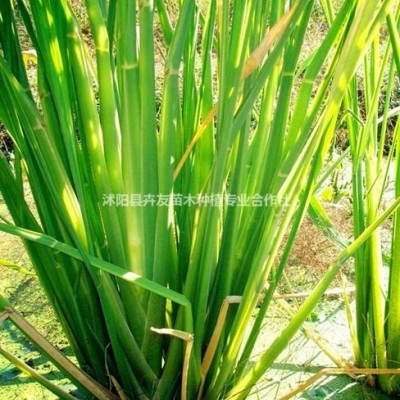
(158, 229)
(376, 341)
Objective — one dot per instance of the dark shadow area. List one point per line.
(342, 388)
(27, 352)
(313, 369)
